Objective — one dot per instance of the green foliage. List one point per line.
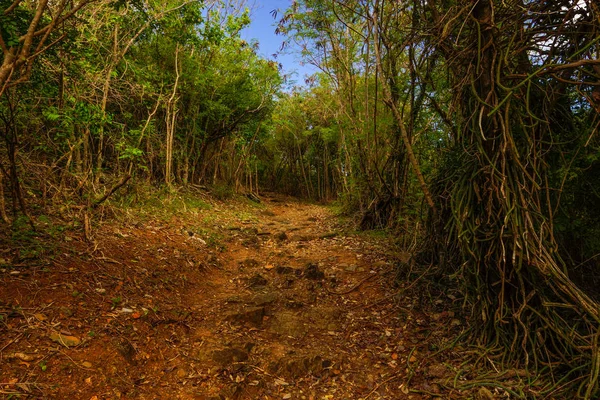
(15, 24)
(101, 109)
(222, 192)
(196, 203)
(116, 301)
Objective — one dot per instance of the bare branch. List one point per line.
(14, 5)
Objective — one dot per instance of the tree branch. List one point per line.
(102, 199)
(14, 5)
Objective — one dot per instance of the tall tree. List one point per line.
(518, 73)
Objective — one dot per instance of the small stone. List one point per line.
(284, 270)
(430, 387)
(227, 356)
(22, 357)
(234, 300)
(313, 272)
(127, 350)
(294, 305)
(484, 394)
(287, 323)
(281, 236)
(198, 239)
(257, 281)
(248, 263)
(265, 299)
(252, 316)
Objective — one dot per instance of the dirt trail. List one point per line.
(288, 308)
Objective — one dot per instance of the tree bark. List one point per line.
(170, 121)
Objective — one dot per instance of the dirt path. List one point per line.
(265, 302)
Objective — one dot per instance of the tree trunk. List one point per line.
(2, 204)
(170, 122)
(399, 120)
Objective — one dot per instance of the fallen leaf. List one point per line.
(65, 340)
(22, 356)
(40, 317)
(24, 387)
(136, 315)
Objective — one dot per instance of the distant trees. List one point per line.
(27, 31)
(164, 91)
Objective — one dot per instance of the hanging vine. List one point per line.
(517, 73)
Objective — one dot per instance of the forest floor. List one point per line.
(277, 300)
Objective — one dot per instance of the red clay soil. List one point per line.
(241, 301)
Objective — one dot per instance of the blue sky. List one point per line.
(263, 28)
